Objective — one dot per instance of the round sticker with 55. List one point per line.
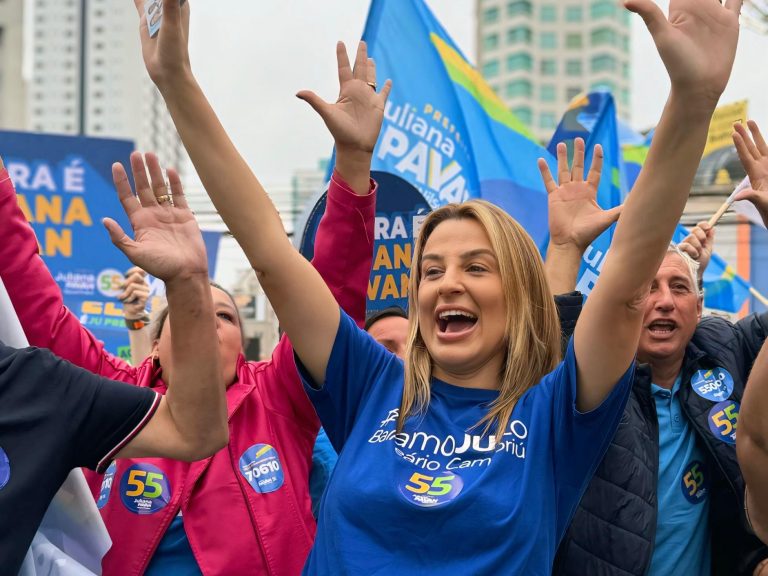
(144, 489)
(723, 421)
(430, 491)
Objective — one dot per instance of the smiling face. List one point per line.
(672, 311)
(228, 331)
(461, 308)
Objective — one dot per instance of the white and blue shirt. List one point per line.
(440, 497)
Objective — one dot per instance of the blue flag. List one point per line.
(446, 137)
(593, 118)
(445, 131)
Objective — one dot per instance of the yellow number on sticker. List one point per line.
(422, 482)
(133, 480)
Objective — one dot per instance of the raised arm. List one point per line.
(304, 305)
(752, 444)
(575, 218)
(191, 421)
(344, 239)
(697, 45)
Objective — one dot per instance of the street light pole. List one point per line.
(83, 64)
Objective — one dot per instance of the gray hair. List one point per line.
(691, 265)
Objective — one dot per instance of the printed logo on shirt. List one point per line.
(106, 486)
(715, 384)
(695, 484)
(431, 490)
(5, 469)
(723, 421)
(144, 489)
(260, 465)
(433, 453)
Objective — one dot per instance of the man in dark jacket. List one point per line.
(668, 497)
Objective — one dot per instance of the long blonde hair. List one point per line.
(532, 325)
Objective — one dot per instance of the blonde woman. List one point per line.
(470, 456)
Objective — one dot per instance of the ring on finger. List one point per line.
(162, 199)
(372, 85)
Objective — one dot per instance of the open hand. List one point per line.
(575, 218)
(167, 242)
(697, 43)
(355, 118)
(753, 153)
(166, 56)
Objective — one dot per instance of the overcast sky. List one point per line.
(254, 56)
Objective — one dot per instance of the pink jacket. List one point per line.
(246, 509)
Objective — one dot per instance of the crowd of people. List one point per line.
(501, 425)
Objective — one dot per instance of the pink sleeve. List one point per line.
(37, 299)
(344, 245)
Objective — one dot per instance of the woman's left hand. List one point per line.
(167, 241)
(355, 118)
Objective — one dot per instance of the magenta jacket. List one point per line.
(247, 508)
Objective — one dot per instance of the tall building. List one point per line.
(539, 54)
(118, 98)
(12, 87)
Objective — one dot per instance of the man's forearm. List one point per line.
(562, 268)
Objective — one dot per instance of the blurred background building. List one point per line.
(539, 54)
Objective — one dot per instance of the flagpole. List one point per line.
(762, 299)
(743, 185)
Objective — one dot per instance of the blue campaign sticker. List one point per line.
(144, 489)
(260, 465)
(431, 490)
(106, 486)
(5, 469)
(695, 482)
(723, 421)
(715, 384)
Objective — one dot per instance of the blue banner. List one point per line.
(64, 187)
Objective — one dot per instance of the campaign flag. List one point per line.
(446, 137)
(593, 118)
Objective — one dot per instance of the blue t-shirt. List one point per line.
(682, 525)
(323, 462)
(439, 497)
(173, 554)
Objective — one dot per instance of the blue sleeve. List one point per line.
(324, 460)
(580, 438)
(357, 362)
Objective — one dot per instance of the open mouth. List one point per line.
(455, 321)
(662, 327)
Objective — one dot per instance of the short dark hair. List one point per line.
(377, 315)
